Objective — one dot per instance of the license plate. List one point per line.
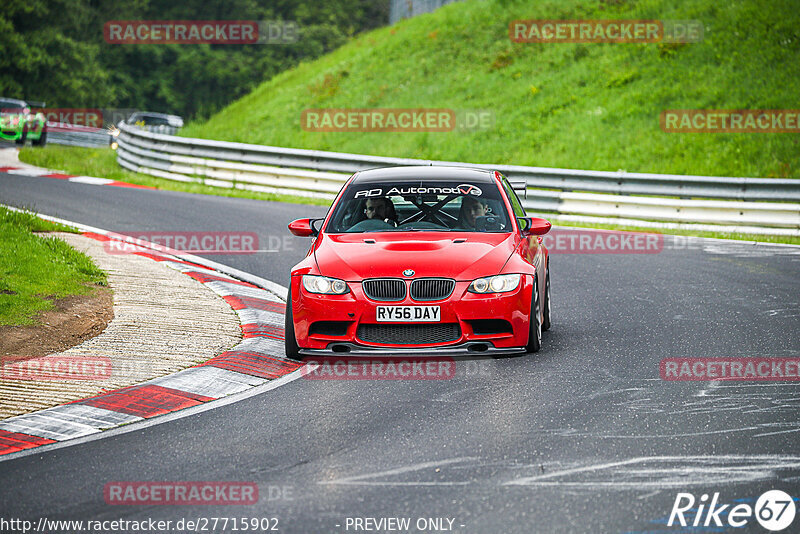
(408, 314)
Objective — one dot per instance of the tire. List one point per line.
(546, 314)
(534, 324)
(290, 341)
(22, 138)
(42, 141)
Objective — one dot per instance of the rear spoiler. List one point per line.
(33, 104)
(520, 185)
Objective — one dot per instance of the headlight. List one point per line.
(324, 285)
(502, 283)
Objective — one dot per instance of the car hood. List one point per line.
(458, 255)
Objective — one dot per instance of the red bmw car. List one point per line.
(420, 259)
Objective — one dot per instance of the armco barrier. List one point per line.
(763, 203)
(60, 133)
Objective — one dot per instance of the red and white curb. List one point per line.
(257, 360)
(90, 180)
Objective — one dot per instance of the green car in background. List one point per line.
(18, 124)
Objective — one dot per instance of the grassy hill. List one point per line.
(586, 106)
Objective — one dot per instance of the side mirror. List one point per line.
(533, 225)
(303, 227)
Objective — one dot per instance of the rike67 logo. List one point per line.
(774, 510)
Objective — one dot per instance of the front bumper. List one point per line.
(463, 308)
(10, 134)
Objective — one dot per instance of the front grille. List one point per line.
(385, 289)
(409, 334)
(426, 289)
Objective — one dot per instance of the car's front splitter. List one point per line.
(471, 348)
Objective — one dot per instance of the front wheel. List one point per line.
(42, 141)
(535, 325)
(290, 341)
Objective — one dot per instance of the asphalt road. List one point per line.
(582, 437)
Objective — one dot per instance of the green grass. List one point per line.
(99, 162)
(582, 106)
(30, 222)
(102, 163)
(35, 270)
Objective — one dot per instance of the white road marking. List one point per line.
(669, 472)
(90, 180)
(361, 480)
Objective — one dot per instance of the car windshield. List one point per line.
(149, 120)
(9, 106)
(417, 205)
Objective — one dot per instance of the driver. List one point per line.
(381, 208)
(471, 208)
